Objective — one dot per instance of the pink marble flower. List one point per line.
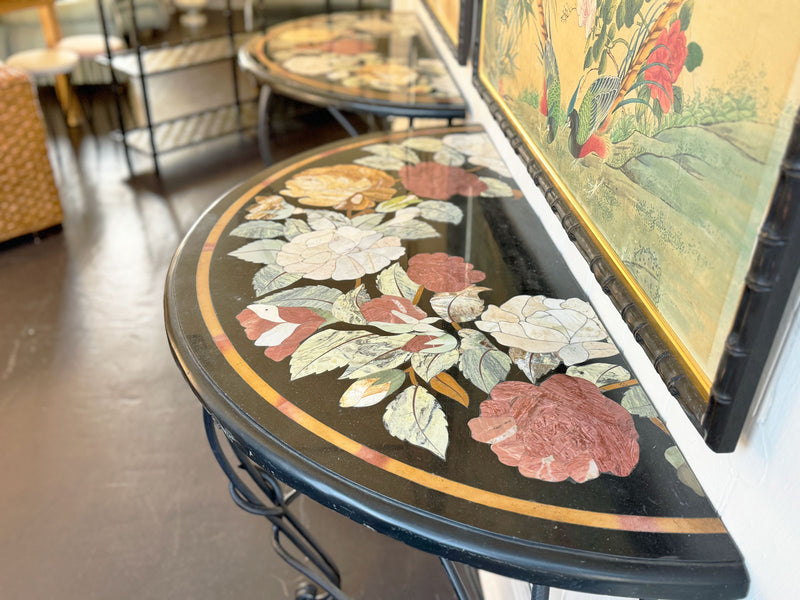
(440, 272)
(280, 329)
(565, 428)
(384, 310)
(440, 182)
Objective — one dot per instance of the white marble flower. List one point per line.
(342, 254)
(569, 329)
(479, 149)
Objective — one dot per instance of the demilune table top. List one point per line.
(384, 324)
(373, 61)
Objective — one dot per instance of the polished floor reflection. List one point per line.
(109, 489)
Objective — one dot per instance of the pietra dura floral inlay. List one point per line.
(371, 54)
(338, 292)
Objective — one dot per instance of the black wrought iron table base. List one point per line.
(273, 503)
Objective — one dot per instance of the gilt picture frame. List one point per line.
(672, 162)
(454, 19)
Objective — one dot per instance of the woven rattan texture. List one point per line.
(28, 194)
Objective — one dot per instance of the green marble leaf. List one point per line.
(636, 402)
(396, 151)
(367, 222)
(397, 203)
(376, 354)
(383, 163)
(318, 298)
(424, 144)
(271, 278)
(684, 473)
(535, 366)
(325, 351)
(429, 366)
(294, 227)
(459, 307)
(326, 219)
(368, 391)
(449, 157)
(393, 281)
(600, 374)
(408, 229)
(444, 212)
(496, 188)
(347, 307)
(258, 230)
(480, 362)
(416, 417)
(261, 252)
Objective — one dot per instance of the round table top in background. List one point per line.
(374, 61)
(384, 324)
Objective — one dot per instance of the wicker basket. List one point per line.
(28, 194)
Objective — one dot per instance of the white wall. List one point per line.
(756, 489)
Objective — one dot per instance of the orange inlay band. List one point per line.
(435, 482)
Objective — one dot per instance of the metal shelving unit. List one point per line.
(144, 61)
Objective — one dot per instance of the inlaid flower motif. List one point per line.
(440, 182)
(347, 46)
(341, 186)
(307, 35)
(388, 309)
(670, 50)
(269, 207)
(387, 76)
(569, 329)
(479, 149)
(440, 272)
(342, 254)
(565, 428)
(279, 329)
(312, 65)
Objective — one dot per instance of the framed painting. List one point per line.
(664, 134)
(454, 18)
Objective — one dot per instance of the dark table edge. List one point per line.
(589, 572)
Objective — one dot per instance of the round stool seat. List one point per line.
(89, 45)
(192, 18)
(44, 61)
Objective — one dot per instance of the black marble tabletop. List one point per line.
(375, 61)
(385, 325)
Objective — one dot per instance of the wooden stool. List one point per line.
(44, 62)
(88, 47)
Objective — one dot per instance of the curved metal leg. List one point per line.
(323, 572)
(264, 103)
(348, 127)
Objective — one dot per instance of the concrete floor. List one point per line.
(107, 486)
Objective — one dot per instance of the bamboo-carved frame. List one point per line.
(720, 415)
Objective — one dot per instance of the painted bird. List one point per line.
(550, 102)
(607, 93)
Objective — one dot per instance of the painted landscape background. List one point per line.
(666, 122)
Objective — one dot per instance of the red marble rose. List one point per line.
(440, 272)
(565, 428)
(440, 182)
(280, 329)
(381, 309)
(671, 51)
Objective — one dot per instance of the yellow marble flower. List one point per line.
(341, 187)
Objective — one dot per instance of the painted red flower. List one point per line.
(383, 309)
(440, 272)
(667, 59)
(565, 428)
(440, 182)
(281, 329)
